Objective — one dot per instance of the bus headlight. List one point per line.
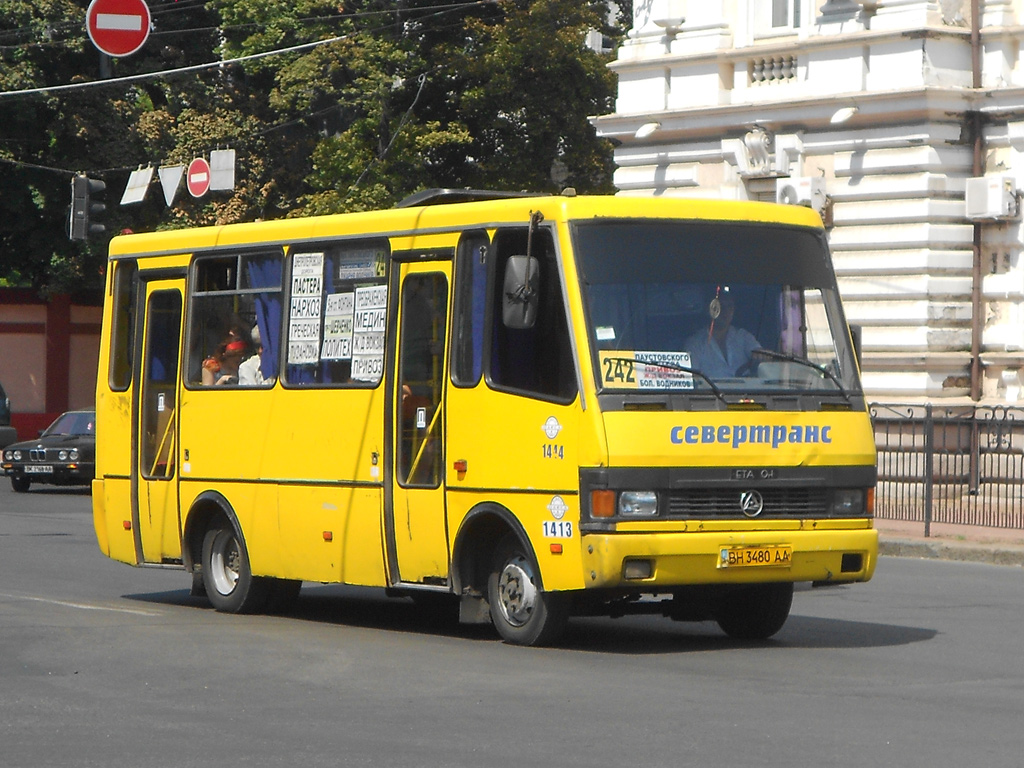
(638, 504)
(848, 502)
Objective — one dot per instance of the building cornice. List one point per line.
(938, 104)
(794, 44)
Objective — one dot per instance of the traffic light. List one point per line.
(84, 208)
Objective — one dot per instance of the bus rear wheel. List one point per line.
(522, 613)
(230, 585)
(756, 612)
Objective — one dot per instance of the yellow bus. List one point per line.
(535, 406)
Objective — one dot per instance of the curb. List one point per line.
(995, 554)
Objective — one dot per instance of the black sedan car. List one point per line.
(65, 454)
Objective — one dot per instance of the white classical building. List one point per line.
(902, 121)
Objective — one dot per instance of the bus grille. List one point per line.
(725, 502)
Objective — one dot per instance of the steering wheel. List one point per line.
(749, 368)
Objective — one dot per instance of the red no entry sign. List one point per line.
(198, 177)
(118, 27)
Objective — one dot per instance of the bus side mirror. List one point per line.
(855, 334)
(520, 292)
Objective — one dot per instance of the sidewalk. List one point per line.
(999, 546)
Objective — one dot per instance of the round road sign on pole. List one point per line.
(198, 177)
(118, 27)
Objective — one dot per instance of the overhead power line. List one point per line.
(213, 64)
(172, 72)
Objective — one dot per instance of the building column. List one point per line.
(58, 352)
(995, 13)
(909, 14)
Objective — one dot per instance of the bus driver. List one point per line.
(722, 350)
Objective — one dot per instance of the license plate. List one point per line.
(39, 469)
(756, 557)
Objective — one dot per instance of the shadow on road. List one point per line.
(635, 635)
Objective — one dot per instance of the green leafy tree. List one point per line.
(493, 95)
(330, 107)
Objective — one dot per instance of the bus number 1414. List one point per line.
(553, 451)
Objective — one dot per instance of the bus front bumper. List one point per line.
(652, 563)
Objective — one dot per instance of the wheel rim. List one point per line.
(517, 593)
(224, 562)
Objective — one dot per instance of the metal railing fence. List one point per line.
(962, 465)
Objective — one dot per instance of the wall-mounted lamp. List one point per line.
(843, 114)
(646, 130)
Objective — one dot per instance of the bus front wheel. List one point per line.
(522, 613)
(230, 585)
(756, 612)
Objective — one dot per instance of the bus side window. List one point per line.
(421, 372)
(235, 320)
(122, 335)
(470, 305)
(336, 314)
(537, 360)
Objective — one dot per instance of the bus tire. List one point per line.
(756, 612)
(20, 484)
(521, 612)
(230, 585)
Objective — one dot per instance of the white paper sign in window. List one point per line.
(306, 308)
(370, 319)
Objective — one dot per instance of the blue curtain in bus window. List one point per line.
(266, 274)
(757, 310)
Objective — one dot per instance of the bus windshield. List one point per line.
(734, 307)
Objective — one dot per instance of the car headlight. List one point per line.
(8, 455)
(638, 504)
(62, 455)
(73, 454)
(848, 502)
(17, 455)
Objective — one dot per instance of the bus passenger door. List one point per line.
(416, 519)
(155, 516)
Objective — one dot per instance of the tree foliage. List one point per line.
(330, 107)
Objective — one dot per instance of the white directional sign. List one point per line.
(138, 185)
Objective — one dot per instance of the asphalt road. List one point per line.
(106, 665)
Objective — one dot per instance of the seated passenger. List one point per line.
(222, 366)
(721, 350)
(249, 373)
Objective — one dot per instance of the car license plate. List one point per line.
(756, 557)
(39, 469)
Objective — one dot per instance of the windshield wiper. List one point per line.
(804, 361)
(674, 367)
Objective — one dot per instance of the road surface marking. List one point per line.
(81, 606)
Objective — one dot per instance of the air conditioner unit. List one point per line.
(992, 197)
(808, 191)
